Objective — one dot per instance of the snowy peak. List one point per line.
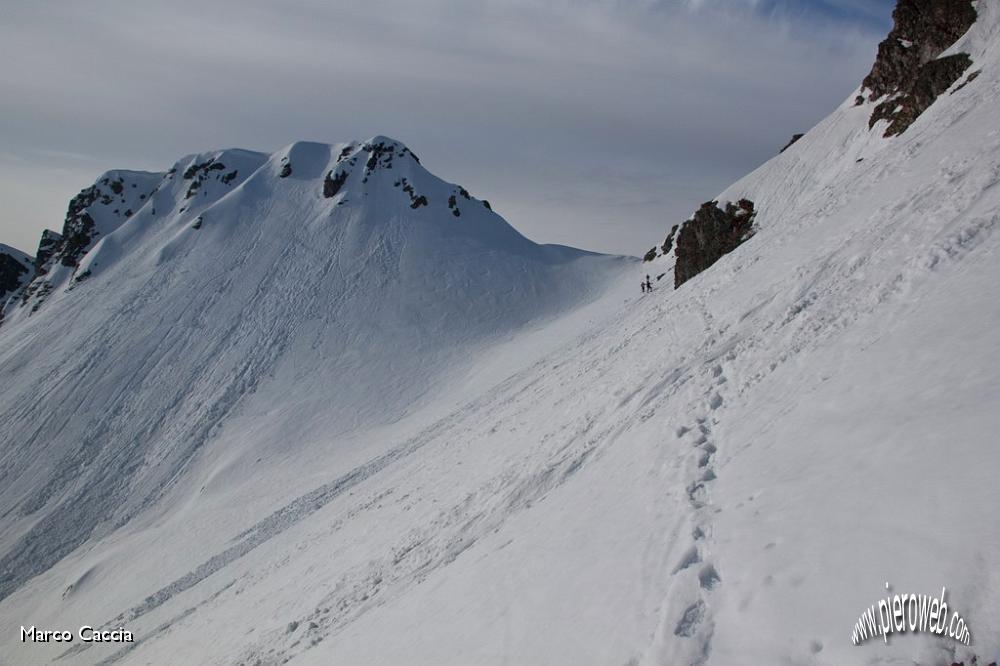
(339, 281)
(381, 161)
(369, 186)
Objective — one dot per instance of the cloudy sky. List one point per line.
(596, 123)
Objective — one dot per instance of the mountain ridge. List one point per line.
(174, 300)
(199, 182)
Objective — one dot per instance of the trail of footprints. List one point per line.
(695, 562)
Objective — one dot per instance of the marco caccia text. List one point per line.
(87, 634)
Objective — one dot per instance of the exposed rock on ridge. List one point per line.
(795, 137)
(908, 74)
(12, 272)
(712, 233)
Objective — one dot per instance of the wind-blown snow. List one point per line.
(727, 473)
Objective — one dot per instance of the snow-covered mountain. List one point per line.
(364, 430)
(306, 294)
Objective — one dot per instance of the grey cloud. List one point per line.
(589, 122)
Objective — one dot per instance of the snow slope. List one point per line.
(238, 295)
(728, 473)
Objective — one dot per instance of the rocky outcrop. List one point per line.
(78, 229)
(13, 273)
(199, 173)
(933, 79)
(48, 246)
(380, 154)
(416, 200)
(795, 137)
(712, 233)
(908, 74)
(668, 245)
(332, 183)
(453, 201)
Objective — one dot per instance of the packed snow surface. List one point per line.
(360, 435)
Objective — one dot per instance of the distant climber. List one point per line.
(649, 284)
(642, 285)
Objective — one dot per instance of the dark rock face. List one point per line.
(12, 274)
(78, 229)
(907, 68)
(48, 246)
(332, 183)
(712, 233)
(199, 173)
(668, 245)
(416, 200)
(379, 155)
(933, 79)
(795, 137)
(203, 169)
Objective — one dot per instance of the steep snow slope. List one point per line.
(762, 449)
(243, 290)
(727, 473)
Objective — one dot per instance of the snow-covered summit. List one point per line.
(376, 184)
(337, 281)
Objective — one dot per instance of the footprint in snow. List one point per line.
(708, 577)
(690, 558)
(692, 617)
